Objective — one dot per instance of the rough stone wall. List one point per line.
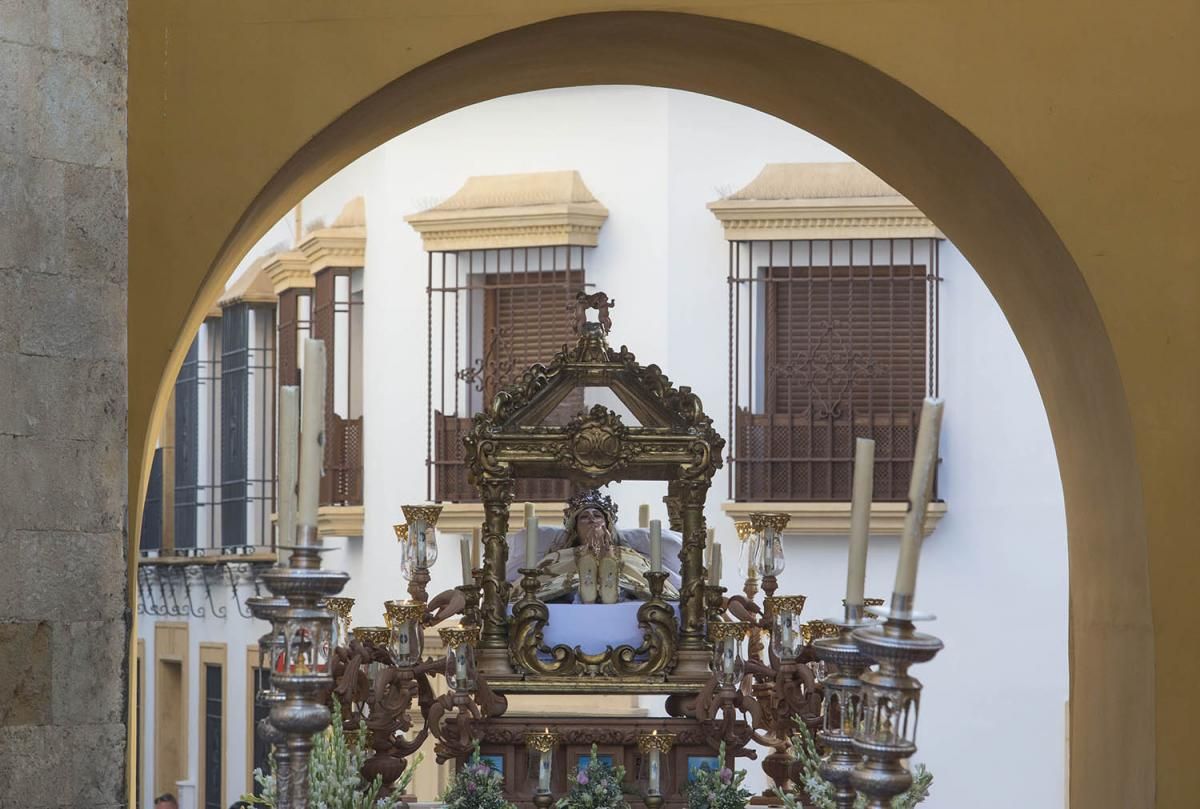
(64, 623)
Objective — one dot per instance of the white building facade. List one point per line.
(685, 210)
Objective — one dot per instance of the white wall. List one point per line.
(995, 570)
(237, 633)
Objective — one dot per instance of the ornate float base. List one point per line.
(503, 744)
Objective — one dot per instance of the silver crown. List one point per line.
(589, 498)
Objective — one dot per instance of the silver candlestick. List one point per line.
(887, 731)
(842, 697)
(303, 673)
(270, 650)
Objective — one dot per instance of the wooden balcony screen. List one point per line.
(450, 471)
(342, 484)
(801, 457)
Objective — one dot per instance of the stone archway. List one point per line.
(948, 173)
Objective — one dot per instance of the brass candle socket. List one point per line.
(428, 514)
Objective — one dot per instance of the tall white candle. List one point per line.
(464, 554)
(710, 537)
(312, 431)
(655, 786)
(531, 536)
(924, 464)
(714, 570)
(768, 551)
(643, 516)
(289, 461)
(476, 549)
(656, 546)
(544, 769)
(860, 519)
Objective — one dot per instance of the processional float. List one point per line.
(846, 679)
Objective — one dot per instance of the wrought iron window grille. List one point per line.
(829, 340)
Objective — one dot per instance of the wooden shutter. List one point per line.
(529, 314)
(845, 339)
(187, 446)
(289, 370)
(235, 416)
(845, 356)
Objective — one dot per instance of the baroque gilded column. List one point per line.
(497, 495)
(691, 494)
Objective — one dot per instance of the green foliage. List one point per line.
(334, 773)
(476, 786)
(596, 787)
(820, 792)
(718, 789)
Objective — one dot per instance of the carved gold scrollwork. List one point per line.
(655, 656)
(527, 642)
(661, 639)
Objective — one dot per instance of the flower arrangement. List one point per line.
(334, 778)
(476, 786)
(820, 792)
(598, 786)
(717, 789)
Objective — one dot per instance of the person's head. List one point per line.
(590, 519)
(166, 801)
(588, 514)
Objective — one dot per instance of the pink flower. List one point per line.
(471, 786)
(726, 775)
(582, 777)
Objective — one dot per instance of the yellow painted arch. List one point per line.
(214, 162)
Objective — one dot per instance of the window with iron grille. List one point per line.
(213, 743)
(247, 426)
(203, 520)
(830, 340)
(492, 314)
(337, 319)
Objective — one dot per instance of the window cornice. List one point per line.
(541, 209)
(819, 201)
(833, 518)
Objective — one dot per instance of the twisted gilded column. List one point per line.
(497, 495)
(692, 610)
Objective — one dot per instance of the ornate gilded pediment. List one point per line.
(674, 438)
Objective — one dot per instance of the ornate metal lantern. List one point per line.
(541, 756)
(460, 656)
(655, 748)
(422, 550)
(770, 549)
(728, 663)
(749, 549)
(308, 644)
(341, 607)
(787, 630)
(405, 640)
